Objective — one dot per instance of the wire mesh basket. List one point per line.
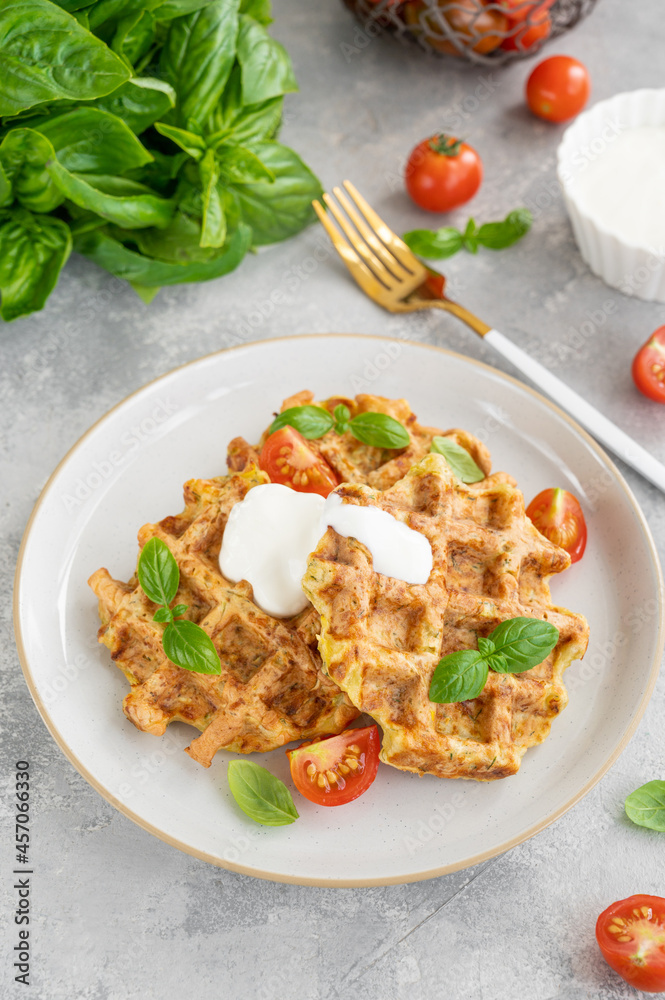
(482, 31)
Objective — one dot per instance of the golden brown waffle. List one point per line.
(360, 463)
(271, 689)
(381, 638)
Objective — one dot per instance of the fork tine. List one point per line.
(371, 238)
(361, 248)
(359, 271)
(391, 239)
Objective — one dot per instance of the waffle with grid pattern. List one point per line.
(381, 638)
(355, 462)
(271, 690)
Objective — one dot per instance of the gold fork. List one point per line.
(390, 274)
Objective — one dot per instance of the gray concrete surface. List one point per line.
(117, 914)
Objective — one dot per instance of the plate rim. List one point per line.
(345, 882)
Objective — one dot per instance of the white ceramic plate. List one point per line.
(129, 469)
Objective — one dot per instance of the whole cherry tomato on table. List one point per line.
(558, 88)
(649, 367)
(442, 173)
(475, 28)
(557, 514)
(336, 769)
(288, 459)
(631, 936)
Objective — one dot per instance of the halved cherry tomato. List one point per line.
(442, 173)
(525, 36)
(558, 88)
(631, 935)
(288, 459)
(557, 515)
(474, 27)
(336, 769)
(649, 367)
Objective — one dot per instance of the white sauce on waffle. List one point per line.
(397, 550)
(271, 533)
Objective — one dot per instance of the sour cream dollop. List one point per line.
(271, 533)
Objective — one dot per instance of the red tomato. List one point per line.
(337, 769)
(474, 27)
(649, 367)
(519, 10)
(525, 36)
(558, 88)
(557, 515)
(288, 459)
(442, 173)
(631, 935)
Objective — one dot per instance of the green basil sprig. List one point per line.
(646, 805)
(375, 429)
(185, 643)
(262, 796)
(445, 242)
(514, 646)
(458, 459)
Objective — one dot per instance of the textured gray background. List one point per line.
(117, 913)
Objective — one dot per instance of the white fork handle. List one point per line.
(603, 429)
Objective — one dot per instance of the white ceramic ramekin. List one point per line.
(634, 270)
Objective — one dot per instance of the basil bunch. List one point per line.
(376, 429)
(514, 646)
(437, 244)
(201, 82)
(185, 643)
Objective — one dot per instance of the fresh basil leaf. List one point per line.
(178, 8)
(137, 268)
(144, 292)
(158, 572)
(485, 646)
(470, 237)
(33, 250)
(310, 421)
(24, 155)
(434, 244)
(162, 615)
(498, 235)
(73, 5)
(134, 36)
(459, 677)
(194, 145)
(213, 221)
(523, 643)
(6, 193)
(240, 166)
(92, 140)
(198, 56)
(260, 10)
(646, 805)
(283, 207)
(104, 14)
(177, 243)
(179, 610)
(190, 647)
(265, 64)
(458, 458)
(262, 796)
(236, 122)
(342, 415)
(45, 54)
(139, 102)
(131, 211)
(379, 430)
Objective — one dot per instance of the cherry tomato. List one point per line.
(631, 935)
(474, 27)
(525, 36)
(557, 515)
(558, 88)
(649, 367)
(442, 173)
(336, 769)
(288, 459)
(519, 10)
